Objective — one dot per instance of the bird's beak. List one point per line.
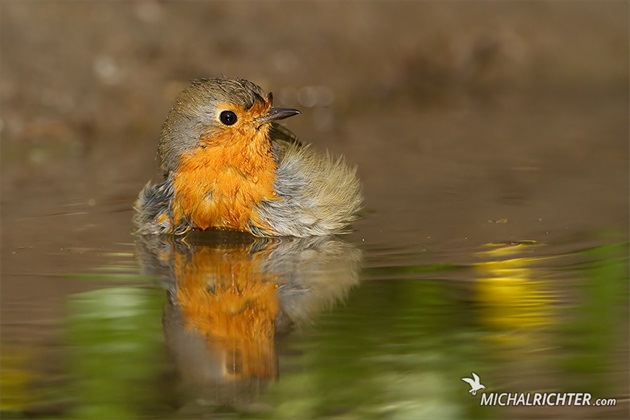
(275, 114)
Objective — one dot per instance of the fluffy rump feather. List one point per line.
(320, 194)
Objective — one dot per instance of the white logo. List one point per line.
(475, 385)
(527, 399)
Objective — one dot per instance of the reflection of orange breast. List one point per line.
(225, 296)
(219, 185)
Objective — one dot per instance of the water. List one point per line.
(223, 325)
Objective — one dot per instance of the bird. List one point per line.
(475, 385)
(228, 164)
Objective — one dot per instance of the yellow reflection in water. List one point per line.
(15, 378)
(514, 296)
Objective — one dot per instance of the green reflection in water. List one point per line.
(397, 349)
(116, 338)
(598, 321)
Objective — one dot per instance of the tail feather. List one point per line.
(153, 211)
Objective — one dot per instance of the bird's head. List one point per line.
(217, 112)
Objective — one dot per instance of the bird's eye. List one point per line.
(227, 117)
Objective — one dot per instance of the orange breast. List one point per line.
(219, 184)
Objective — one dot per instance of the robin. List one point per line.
(228, 164)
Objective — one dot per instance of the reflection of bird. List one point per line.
(475, 385)
(227, 164)
(230, 295)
